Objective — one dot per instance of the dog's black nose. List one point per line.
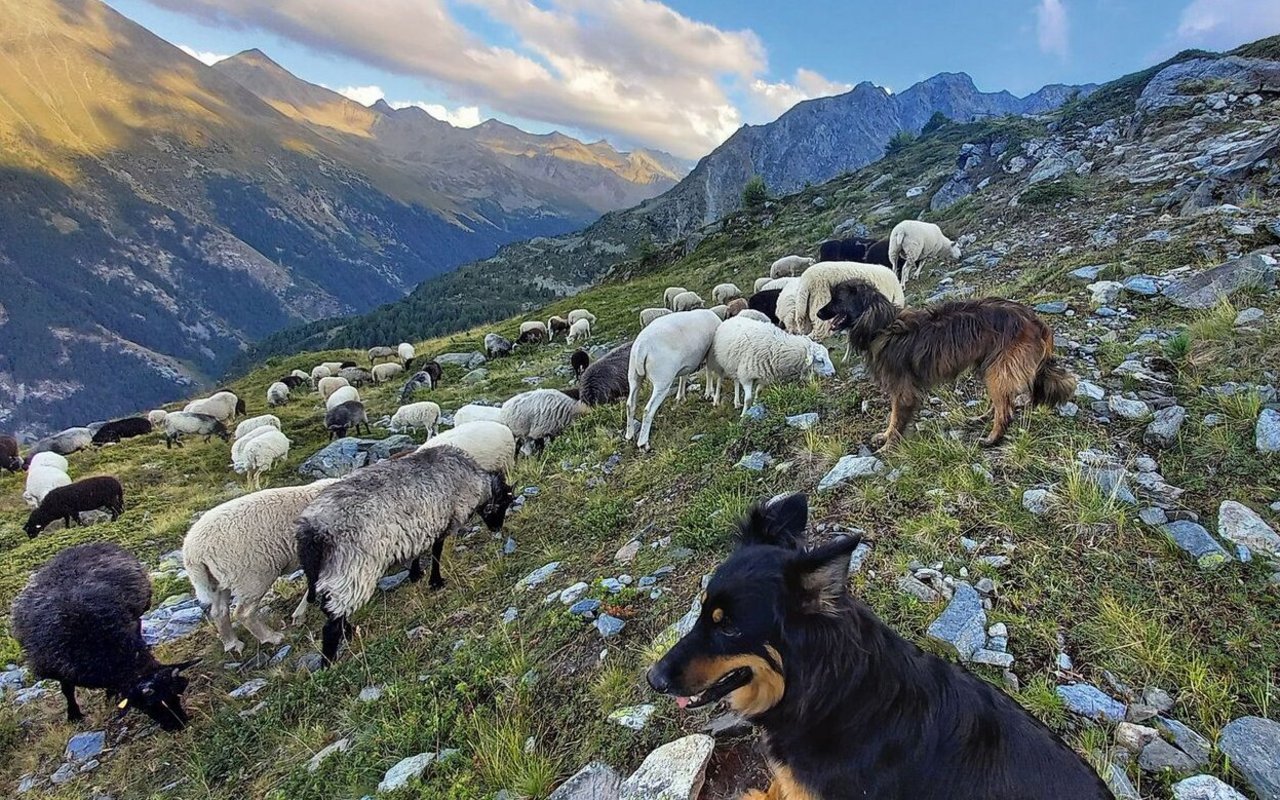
(659, 681)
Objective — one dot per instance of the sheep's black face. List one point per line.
(33, 528)
(159, 696)
(494, 512)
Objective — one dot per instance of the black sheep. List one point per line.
(347, 365)
(126, 428)
(66, 502)
(766, 302)
(851, 249)
(78, 621)
(579, 360)
(9, 453)
(606, 380)
(292, 381)
(878, 253)
(436, 371)
(350, 414)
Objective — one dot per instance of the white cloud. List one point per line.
(460, 117)
(1223, 24)
(775, 98)
(364, 95)
(634, 70)
(203, 55)
(1052, 27)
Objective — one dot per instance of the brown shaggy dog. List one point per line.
(912, 350)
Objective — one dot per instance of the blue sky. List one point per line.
(684, 74)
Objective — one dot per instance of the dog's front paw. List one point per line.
(880, 440)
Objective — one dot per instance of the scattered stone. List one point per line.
(249, 688)
(1159, 756)
(1153, 516)
(1128, 409)
(1090, 390)
(465, 360)
(756, 412)
(1087, 274)
(1141, 284)
(993, 658)
(585, 608)
(628, 552)
(340, 746)
(1159, 699)
(1037, 501)
(803, 421)
(633, 717)
(1249, 316)
(858, 557)
(609, 626)
(1064, 663)
(1089, 701)
(1187, 740)
(1267, 432)
(1105, 293)
(674, 771)
(510, 615)
(310, 662)
(571, 595)
(410, 768)
(1135, 737)
(962, 627)
(755, 461)
(370, 693)
(1242, 526)
(1204, 787)
(538, 576)
(850, 468)
(918, 589)
(85, 746)
(1052, 307)
(1253, 745)
(62, 774)
(1207, 289)
(595, 781)
(346, 455)
(389, 583)
(1163, 430)
(1193, 539)
(509, 546)
(1119, 783)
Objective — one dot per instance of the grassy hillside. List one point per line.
(526, 703)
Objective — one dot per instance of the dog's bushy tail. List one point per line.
(312, 549)
(1054, 384)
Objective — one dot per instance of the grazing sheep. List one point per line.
(759, 316)
(47, 459)
(436, 372)
(912, 243)
(253, 423)
(496, 345)
(536, 417)
(237, 446)
(668, 350)
(533, 336)
(391, 512)
(118, 429)
(786, 306)
(417, 416)
(736, 306)
(724, 292)
(420, 380)
(356, 376)
(686, 301)
(760, 284)
(788, 265)
(489, 442)
(581, 313)
(42, 479)
(237, 550)
(606, 380)
(300, 375)
(187, 423)
(66, 503)
(670, 294)
(720, 311)
(557, 324)
(648, 315)
(278, 393)
(156, 417)
(260, 453)
(385, 372)
(579, 360)
(291, 382)
(376, 353)
(343, 394)
(64, 443)
(319, 373)
(222, 406)
(79, 622)
(533, 326)
(334, 366)
(755, 354)
(476, 413)
(814, 291)
(350, 414)
(328, 386)
(579, 330)
(406, 352)
(851, 249)
(9, 456)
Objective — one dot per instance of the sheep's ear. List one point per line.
(819, 578)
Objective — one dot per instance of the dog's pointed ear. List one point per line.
(780, 522)
(818, 578)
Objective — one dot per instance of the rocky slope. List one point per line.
(1114, 566)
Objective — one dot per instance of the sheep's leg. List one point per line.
(680, 388)
(748, 395)
(415, 570)
(335, 631)
(437, 550)
(220, 614)
(848, 350)
(633, 394)
(737, 393)
(300, 613)
(73, 708)
(252, 620)
(650, 411)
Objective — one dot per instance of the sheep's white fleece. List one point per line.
(778, 283)
(261, 452)
(297, 373)
(686, 301)
(754, 354)
(406, 351)
(184, 422)
(814, 291)
(490, 443)
(785, 310)
(724, 292)
(238, 445)
(912, 242)
(253, 423)
(50, 459)
(477, 413)
(332, 366)
(277, 394)
(752, 313)
(720, 311)
(533, 325)
(156, 417)
(581, 329)
(789, 265)
(669, 349)
(540, 414)
(424, 414)
(760, 283)
(42, 479)
(320, 372)
(342, 394)
(327, 386)
(648, 315)
(237, 550)
(221, 406)
(581, 313)
(670, 294)
(385, 372)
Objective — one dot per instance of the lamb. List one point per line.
(156, 417)
(424, 415)
(476, 413)
(606, 380)
(260, 453)
(579, 360)
(759, 284)
(119, 429)
(912, 243)
(278, 394)
(538, 416)
(814, 292)
(394, 511)
(253, 423)
(350, 414)
(648, 315)
(319, 373)
(420, 380)
(581, 313)
(736, 306)
(64, 443)
(496, 345)
(724, 292)
(376, 353)
(669, 349)
(343, 394)
(356, 376)
(490, 443)
(385, 372)
(406, 352)
(42, 479)
(720, 311)
(670, 294)
(579, 330)
(686, 301)
(754, 354)
(9, 454)
(222, 406)
(79, 621)
(66, 503)
(328, 386)
(788, 265)
(187, 423)
(237, 550)
(557, 324)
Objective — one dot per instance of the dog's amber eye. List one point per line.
(722, 622)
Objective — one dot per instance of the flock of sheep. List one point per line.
(346, 533)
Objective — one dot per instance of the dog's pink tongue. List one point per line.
(682, 702)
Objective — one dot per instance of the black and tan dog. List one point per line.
(911, 350)
(848, 708)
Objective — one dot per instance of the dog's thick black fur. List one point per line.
(848, 708)
(766, 302)
(878, 253)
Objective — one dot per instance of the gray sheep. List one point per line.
(189, 423)
(350, 414)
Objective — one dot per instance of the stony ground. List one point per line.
(1113, 565)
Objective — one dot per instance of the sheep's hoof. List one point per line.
(435, 584)
(236, 647)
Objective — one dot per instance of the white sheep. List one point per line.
(238, 445)
(406, 352)
(912, 243)
(259, 453)
(332, 366)
(789, 265)
(534, 325)
(648, 315)
(581, 313)
(253, 423)
(490, 443)
(190, 423)
(760, 284)
(667, 351)
(752, 313)
(156, 417)
(670, 295)
(720, 311)
(42, 479)
(327, 386)
(423, 415)
(381, 351)
(277, 394)
(754, 354)
(537, 416)
(343, 394)
(687, 301)
(724, 292)
(49, 459)
(237, 550)
(320, 372)
(777, 283)
(385, 372)
(300, 375)
(814, 291)
(785, 309)
(222, 406)
(579, 330)
(476, 413)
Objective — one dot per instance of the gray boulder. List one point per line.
(465, 360)
(1253, 745)
(674, 771)
(1164, 428)
(962, 627)
(1204, 787)
(349, 454)
(595, 781)
(1196, 542)
(1267, 432)
(1177, 84)
(1207, 289)
(1241, 525)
